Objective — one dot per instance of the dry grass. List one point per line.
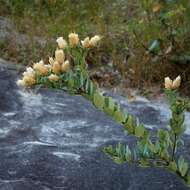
(128, 29)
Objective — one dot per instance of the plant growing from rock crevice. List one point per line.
(68, 71)
(163, 151)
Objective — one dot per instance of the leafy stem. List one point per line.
(160, 152)
(174, 147)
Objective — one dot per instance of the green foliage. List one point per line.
(130, 124)
(109, 106)
(139, 131)
(163, 151)
(90, 89)
(154, 47)
(48, 19)
(160, 152)
(164, 48)
(118, 116)
(172, 166)
(183, 166)
(98, 100)
(120, 154)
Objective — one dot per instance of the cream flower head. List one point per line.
(29, 72)
(41, 68)
(28, 78)
(73, 39)
(177, 82)
(21, 83)
(28, 81)
(61, 43)
(56, 68)
(59, 56)
(65, 66)
(53, 78)
(168, 83)
(172, 85)
(86, 42)
(94, 40)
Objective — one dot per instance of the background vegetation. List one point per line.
(145, 40)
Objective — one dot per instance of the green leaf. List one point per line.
(109, 106)
(188, 180)
(128, 154)
(125, 115)
(108, 111)
(119, 149)
(89, 87)
(120, 154)
(144, 163)
(109, 103)
(164, 138)
(130, 124)
(109, 150)
(71, 83)
(118, 115)
(183, 166)
(152, 147)
(116, 106)
(117, 160)
(139, 131)
(155, 46)
(98, 100)
(173, 166)
(79, 80)
(143, 147)
(165, 154)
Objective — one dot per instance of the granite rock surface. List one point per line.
(50, 140)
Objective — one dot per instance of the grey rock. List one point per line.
(10, 34)
(50, 140)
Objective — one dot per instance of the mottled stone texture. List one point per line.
(50, 140)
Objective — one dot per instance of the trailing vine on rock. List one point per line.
(68, 71)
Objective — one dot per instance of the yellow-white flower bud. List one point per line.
(53, 78)
(29, 72)
(172, 85)
(41, 68)
(28, 81)
(168, 83)
(86, 43)
(177, 82)
(94, 40)
(56, 68)
(73, 39)
(59, 56)
(61, 43)
(65, 66)
(20, 83)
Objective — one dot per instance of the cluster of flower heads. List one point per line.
(172, 85)
(57, 65)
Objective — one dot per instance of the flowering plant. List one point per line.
(68, 70)
(162, 151)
